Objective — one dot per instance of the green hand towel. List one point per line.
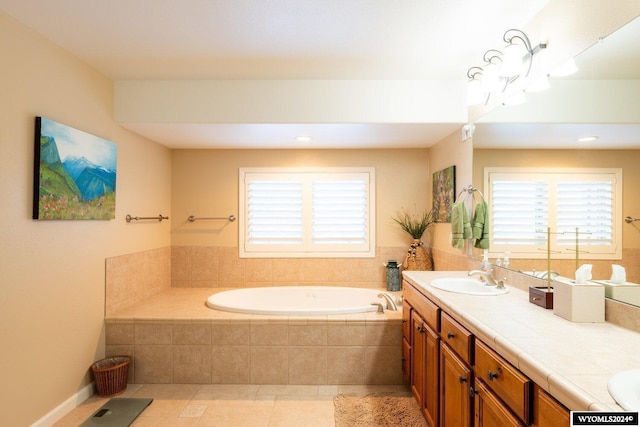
(460, 226)
(481, 226)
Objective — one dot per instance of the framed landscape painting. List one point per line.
(74, 173)
(444, 190)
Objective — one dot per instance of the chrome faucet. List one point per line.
(391, 304)
(485, 276)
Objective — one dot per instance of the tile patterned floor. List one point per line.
(230, 405)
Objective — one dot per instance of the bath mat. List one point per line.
(379, 409)
(117, 412)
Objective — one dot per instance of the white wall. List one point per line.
(52, 272)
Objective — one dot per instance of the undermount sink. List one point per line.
(624, 387)
(463, 285)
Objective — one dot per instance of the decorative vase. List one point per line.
(418, 257)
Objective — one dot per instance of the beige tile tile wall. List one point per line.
(194, 266)
(132, 278)
(258, 352)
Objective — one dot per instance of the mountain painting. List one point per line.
(75, 173)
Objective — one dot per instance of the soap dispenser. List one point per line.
(485, 265)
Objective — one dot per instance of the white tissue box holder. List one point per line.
(582, 303)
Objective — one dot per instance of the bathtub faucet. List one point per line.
(391, 304)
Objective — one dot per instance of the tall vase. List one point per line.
(418, 257)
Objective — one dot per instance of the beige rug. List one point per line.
(380, 409)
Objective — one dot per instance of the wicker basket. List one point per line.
(111, 375)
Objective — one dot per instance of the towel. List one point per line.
(460, 226)
(481, 225)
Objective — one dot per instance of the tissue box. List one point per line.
(579, 303)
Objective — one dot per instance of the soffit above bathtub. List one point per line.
(295, 40)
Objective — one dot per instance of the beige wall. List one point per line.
(52, 272)
(450, 151)
(205, 183)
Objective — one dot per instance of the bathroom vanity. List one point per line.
(500, 360)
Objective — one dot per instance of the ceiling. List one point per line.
(279, 40)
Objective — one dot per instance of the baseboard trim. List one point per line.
(65, 407)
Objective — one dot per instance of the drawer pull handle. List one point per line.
(450, 335)
(492, 375)
(421, 329)
(472, 391)
(462, 380)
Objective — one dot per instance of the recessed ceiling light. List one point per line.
(587, 138)
(303, 138)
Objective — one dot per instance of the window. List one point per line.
(530, 205)
(327, 212)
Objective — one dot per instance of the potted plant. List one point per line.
(415, 224)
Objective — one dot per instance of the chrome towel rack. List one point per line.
(130, 218)
(229, 218)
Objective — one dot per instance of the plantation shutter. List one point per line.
(339, 212)
(274, 212)
(588, 207)
(520, 212)
(579, 206)
(307, 213)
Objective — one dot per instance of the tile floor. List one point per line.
(231, 405)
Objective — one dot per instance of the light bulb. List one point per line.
(511, 61)
(490, 78)
(474, 93)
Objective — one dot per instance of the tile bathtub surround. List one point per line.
(197, 345)
(259, 353)
(220, 266)
(132, 278)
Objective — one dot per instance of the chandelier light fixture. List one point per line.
(506, 75)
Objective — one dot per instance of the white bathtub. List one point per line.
(297, 300)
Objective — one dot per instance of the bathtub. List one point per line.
(297, 300)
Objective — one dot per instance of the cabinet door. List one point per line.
(548, 412)
(432, 377)
(417, 357)
(406, 361)
(455, 382)
(489, 411)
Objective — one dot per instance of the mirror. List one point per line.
(602, 99)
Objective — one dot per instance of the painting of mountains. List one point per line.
(75, 173)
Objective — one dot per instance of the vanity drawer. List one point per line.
(504, 380)
(457, 337)
(427, 309)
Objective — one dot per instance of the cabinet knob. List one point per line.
(421, 329)
(462, 380)
(492, 375)
(450, 335)
(472, 391)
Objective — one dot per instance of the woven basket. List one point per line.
(111, 375)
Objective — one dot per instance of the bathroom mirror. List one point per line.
(602, 99)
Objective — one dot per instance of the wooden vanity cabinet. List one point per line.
(456, 376)
(460, 381)
(424, 349)
(547, 411)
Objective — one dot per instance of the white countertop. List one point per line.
(572, 361)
